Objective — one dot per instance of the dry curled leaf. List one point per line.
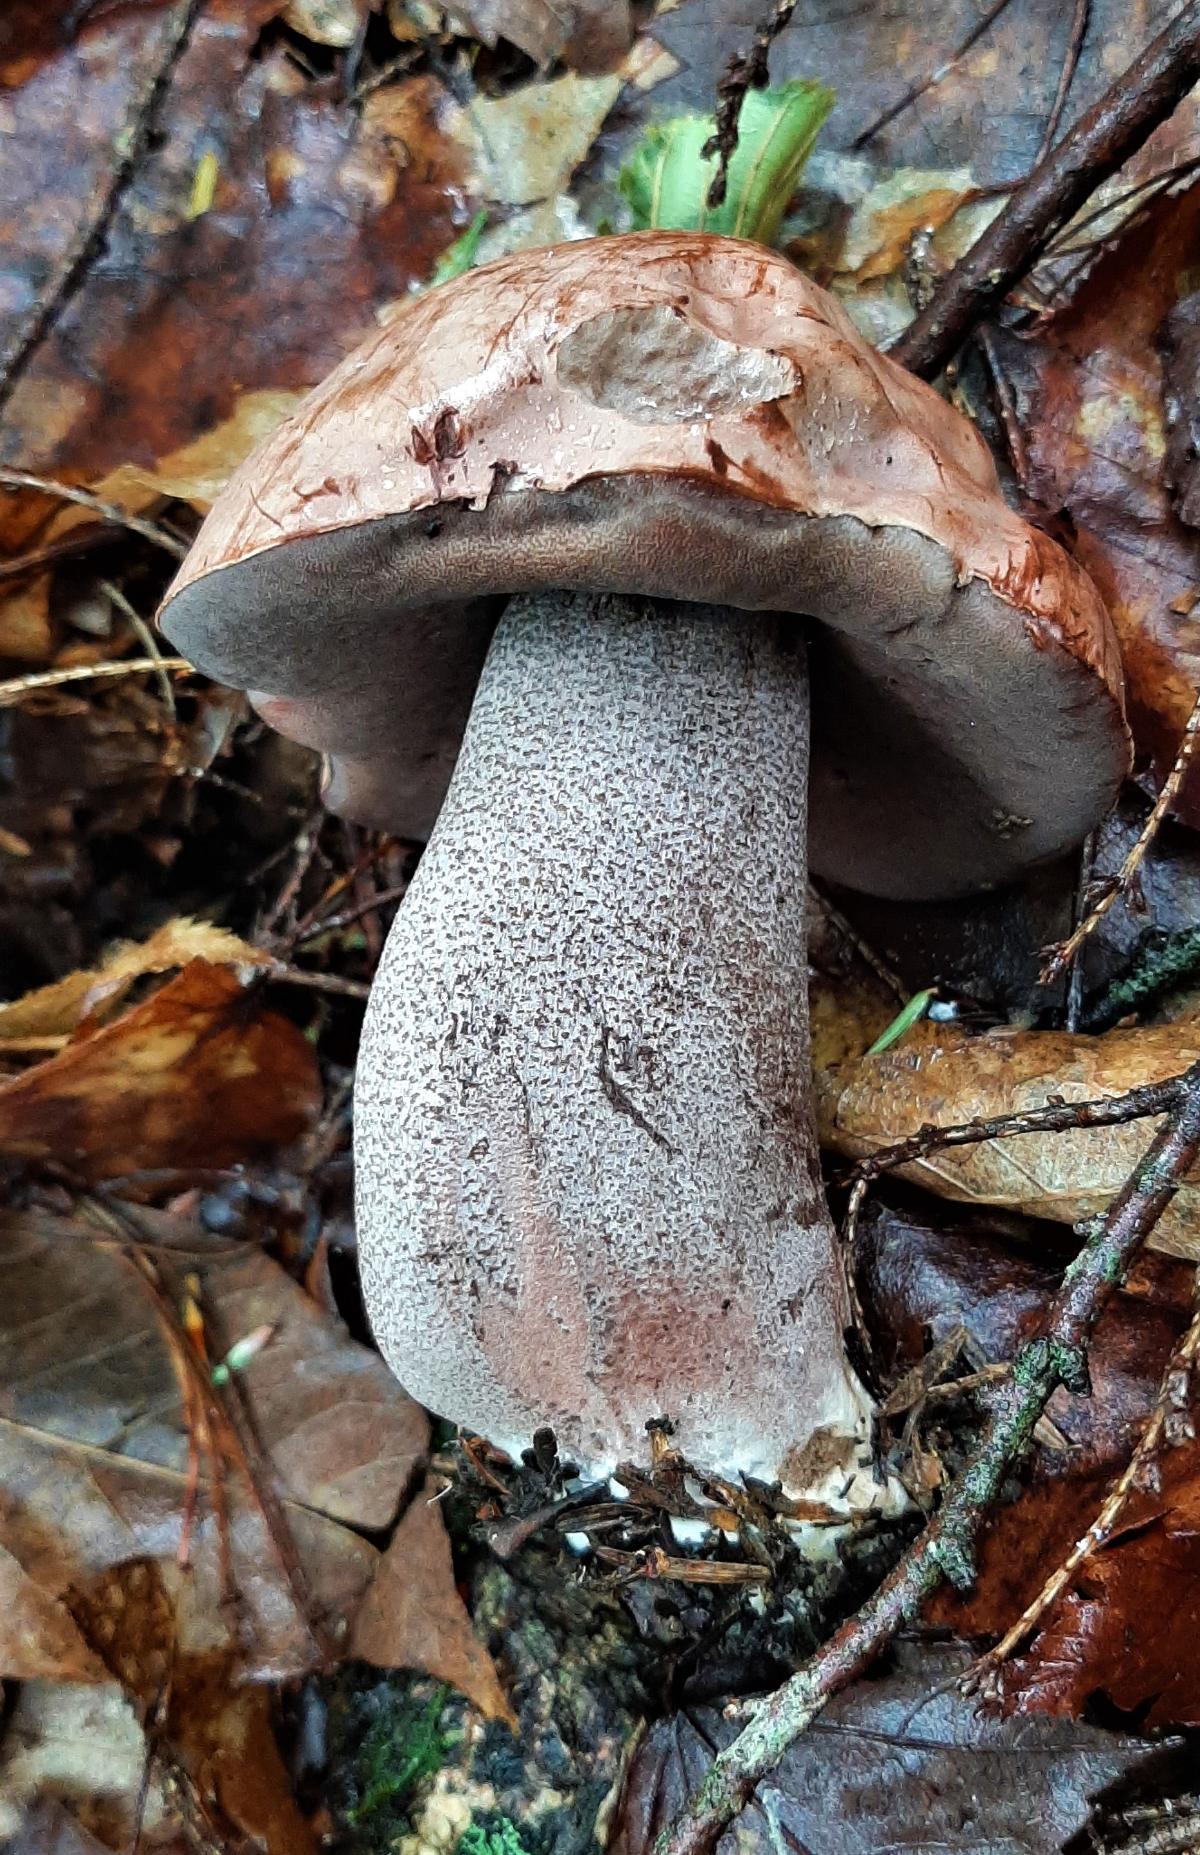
(938, 1075)
(57, 1010)
(200, 1075)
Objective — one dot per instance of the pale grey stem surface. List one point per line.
(588, 1184)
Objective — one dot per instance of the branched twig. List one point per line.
(1170, 1408)
(745, 71)
(1100, 142)
(110, 512)
(945, 1551)
(1059, 958)
(916, 91)
(90, 236)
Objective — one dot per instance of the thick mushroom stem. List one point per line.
(588, 1183)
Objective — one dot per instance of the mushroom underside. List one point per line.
(950, 752)
(588, 1184)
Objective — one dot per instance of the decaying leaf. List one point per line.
(925, 1276)
(1179, 341)
(1119, 1631)
(343, 1437)
(899, 1761)
(413, 1617)
(1126, 1627)
(94, 1473)
(523, 147)
(200, 1075)
(591, 35)
(182, 313)
(940, 1076)
(84, 1750)
(57, 1010)
(1093, 412)
(96, 1452)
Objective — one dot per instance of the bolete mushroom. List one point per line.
(589, 1192)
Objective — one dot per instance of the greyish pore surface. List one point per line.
(588, 1183)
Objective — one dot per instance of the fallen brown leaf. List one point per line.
(1119, 1632)
(342, 1436)
(200, 1075)
(182, 313)
(413, 1616)
(940, 1076)
(94, 1458)
(1179, 341)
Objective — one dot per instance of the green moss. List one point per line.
(403, 1744)
(491, 1835)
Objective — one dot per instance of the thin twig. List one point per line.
(744, 72)
(1066, 77)
(1141, 199)
(365, 860)
(1059, 958)
(21, 686)
(332, 924)
(1010, 418)
(916, 91)
(946, 1549)
(145, 638)
(89, 238)
(319, 982)
(1083, 889)
(225, 1438)
(855, 941)
(1100, 142)
(1169, 1405)
(110, 512)
(75, 542)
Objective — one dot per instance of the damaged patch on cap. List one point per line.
(653, 363)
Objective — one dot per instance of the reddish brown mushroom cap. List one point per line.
(687, 417)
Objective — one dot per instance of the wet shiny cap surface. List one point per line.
(686, 417)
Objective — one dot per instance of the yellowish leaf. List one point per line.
(58, 1009)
